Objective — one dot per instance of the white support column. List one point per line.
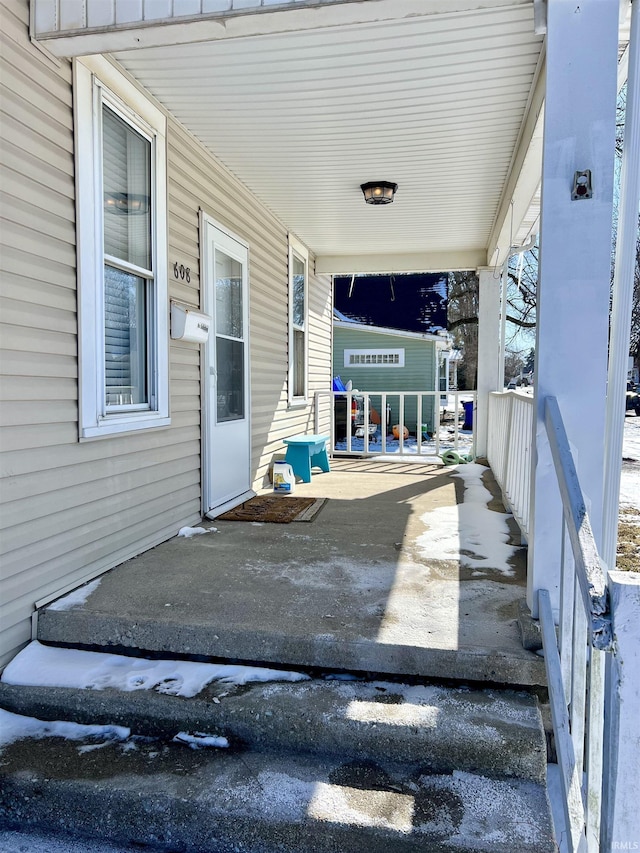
(488, 351)
(575, 258)
(621, 818)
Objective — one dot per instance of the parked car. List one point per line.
(633, 398)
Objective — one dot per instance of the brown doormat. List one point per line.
(275, 509)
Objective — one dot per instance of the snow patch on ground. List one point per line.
(15, 727)
(190, 532)
(630, 476)
(48, 666)
(469, 532)
(76, 598)
(198, 740)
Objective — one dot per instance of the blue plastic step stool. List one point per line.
(305, 452)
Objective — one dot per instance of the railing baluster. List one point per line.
(572, 799)
(567, 596)
(595, 748)
(366, 400)
(579, 682)
(385, 425)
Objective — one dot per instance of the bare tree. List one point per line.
(463, 293)
(522, 279)
(634, 341)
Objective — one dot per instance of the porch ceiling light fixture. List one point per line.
(378, 192)
(126, 204)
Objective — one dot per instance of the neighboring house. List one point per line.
(378, 359)
(114, 434)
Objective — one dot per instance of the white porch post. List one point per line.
(575, 258)
(488, 351)
(621, 827)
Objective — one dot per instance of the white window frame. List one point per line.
(299, 250)
(357, 354)
(96, 81)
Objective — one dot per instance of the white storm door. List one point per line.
(227, 442)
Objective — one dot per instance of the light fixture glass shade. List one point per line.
(378, 192)
(126, 204)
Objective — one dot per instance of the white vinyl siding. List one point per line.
(70, 510)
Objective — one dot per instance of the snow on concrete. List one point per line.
(487, 803)
(410, 445)
(190, 532)
(198, 740)
(15, 727)
(48, 666)
(470, 532)
(76, 598)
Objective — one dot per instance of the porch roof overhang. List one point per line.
(305, 101)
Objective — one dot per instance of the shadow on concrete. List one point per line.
(352, 590)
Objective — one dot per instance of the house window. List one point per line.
(122, 245)
(374, 357)
(298, 321)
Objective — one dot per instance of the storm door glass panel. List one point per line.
(230, 355)
(298, 297)
(298, 291)
(126, 158)
(125, 334)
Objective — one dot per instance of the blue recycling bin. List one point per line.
(468, 415)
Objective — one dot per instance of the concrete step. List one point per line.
(497, 733)
(287, 645)
(171, 797)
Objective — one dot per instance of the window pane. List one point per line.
(230, 381)
(127, 191)
(298, 364)
(228, 296)
(298, 292)
(125, 350)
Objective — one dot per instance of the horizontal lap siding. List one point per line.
(196, 180)
(69, 510)
(418, 373)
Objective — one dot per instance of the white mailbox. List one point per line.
(189, 325)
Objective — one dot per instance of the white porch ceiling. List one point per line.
(435, 103)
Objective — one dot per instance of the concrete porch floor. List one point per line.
(351, 590)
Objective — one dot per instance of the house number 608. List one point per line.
(181, 272)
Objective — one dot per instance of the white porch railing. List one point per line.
(594, 718)
(424, 413)
(575, 661)
(509, 450)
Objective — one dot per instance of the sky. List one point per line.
(410, 302)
